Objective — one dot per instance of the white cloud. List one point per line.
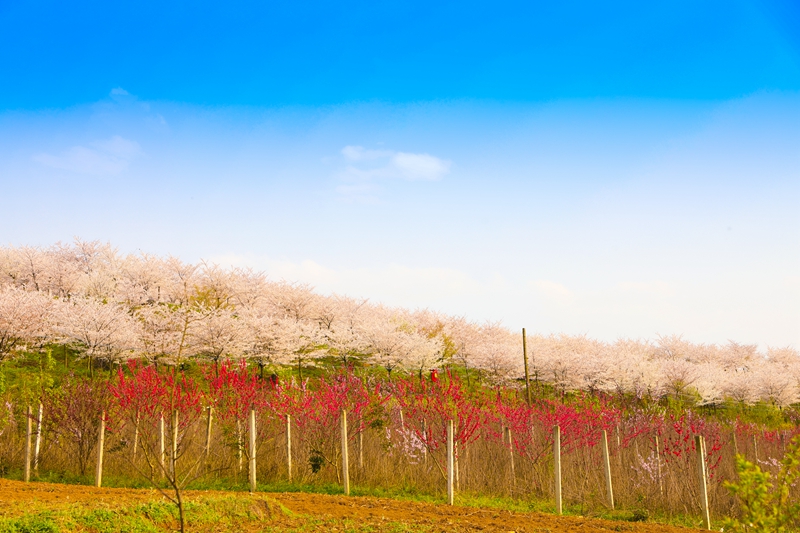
(420, 166)
(654, 288)
(368, 166)
(119, 91)
(359, 153)
(105, 157)
(555, 292)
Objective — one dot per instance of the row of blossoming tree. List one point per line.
(110, 308)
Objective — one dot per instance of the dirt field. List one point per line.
(310, 512)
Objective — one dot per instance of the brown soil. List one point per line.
(364, 511)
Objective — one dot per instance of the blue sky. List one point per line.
(614, 170)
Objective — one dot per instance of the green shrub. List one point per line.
(767, 507)
(40, 523)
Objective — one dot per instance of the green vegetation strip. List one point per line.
(218, 513)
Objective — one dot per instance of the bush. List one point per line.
(765, 506)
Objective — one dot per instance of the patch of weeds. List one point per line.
(38, 523)
(635, 515)
(125, 520)
(157, 512)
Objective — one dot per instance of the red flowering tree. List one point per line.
(318, 411)
(73, 415)
(164, 409)
(427, 406)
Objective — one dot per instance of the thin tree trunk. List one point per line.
(181, 515)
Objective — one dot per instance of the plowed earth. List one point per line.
(312, 512)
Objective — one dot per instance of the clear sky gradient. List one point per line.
(627, 169)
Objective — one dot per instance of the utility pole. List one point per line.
(525, 357)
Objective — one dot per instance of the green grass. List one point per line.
(216, 513)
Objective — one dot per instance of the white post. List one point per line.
(658, 467)
(289, 446)
(361, 446)
(208, 431)
(557, 466)
(345, 458)
(136, 436)
(700, 445)
(239, 444)
(162, 445)
(511, 456)
(174, 461)
(38, 444)
(28, 433)
(425, 443)
(607, 468)
(101, 441)
(252, 449)
(450, 463)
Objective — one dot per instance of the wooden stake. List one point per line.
(101, 442)
(658, 467)
(208, 431)
(289, 446)
(455, 461)
(425, 444)
(525, 359)
(510, 439)
(239, 444)
(607, 468)
(361, 450)
(557, 466)
(450, 463)
(345, 458)
(136, 435)
(28, 434)
(252, 450)
(38, 444)
(700, 445)
(174, 461)
(162, 445)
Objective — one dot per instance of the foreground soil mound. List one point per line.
(77, 507)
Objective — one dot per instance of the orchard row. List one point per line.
(113, 308)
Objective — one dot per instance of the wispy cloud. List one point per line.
(366, 168)
(105, 157)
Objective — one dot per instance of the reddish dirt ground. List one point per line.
(365, 511)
